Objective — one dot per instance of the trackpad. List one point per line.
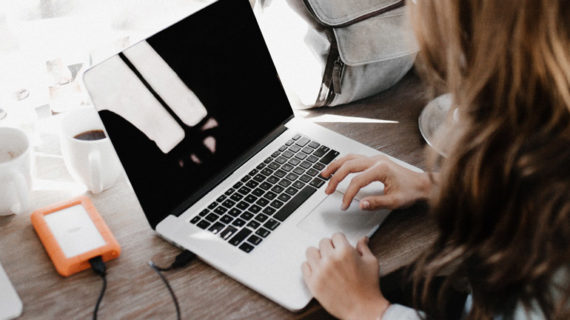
(327, 218)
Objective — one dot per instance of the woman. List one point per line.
(502, 197)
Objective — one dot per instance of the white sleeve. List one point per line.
(399, 312)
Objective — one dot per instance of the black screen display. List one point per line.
(170, 144)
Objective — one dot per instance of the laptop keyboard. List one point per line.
(255, 206)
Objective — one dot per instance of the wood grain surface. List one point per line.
(135, 292)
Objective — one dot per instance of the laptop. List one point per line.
(10, 304)
(218, 161)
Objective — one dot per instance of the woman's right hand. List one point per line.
(402, 187)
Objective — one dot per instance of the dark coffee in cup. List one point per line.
(91, 135)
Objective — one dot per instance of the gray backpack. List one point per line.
(332, 52)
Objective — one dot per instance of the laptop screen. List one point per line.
(181, 107)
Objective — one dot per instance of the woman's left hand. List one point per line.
(344, 279)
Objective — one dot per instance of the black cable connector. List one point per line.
(99, 269)
(180, 261)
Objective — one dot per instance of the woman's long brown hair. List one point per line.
(503, 201)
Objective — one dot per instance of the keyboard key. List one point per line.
(238, 222)
(291, 191)
(195, 220)
(252, 224)
(212, 217)
(301, 156)
(284, 197)
(287, 167)
(226, 219)
(253, 172)
(312, 159)
(268, 160)
(261, 217)
(305, 164)
(284, 183)
(234, 212)
(260, 166)
(271, 224)
(269, 211)
(267, 171)
(251, 184)
(236, 197)
(254, 239)
(246, 216)
(242, 205)
(228, 203)
(262, 232)
(217, 227)
(272, 179)
(319, 166)
(283, 148)
(244, 190)
(274, 165)
(250, 198)
(212, 205)
(298, 184)
(314, 144)
(204, 212)
(281, 160)
(247, 248)
(312, 172)
(317, 183)
(308, 150)
(240, 236)
(292, 176)
(265, 186)
(302, 142)
(275, 154)
(329, 157)
(294, 162)
(237, 185)
(276, 204)
(294, 148)
(280, 173)
(262, 202)
(269, 195)
(290, 142)
(228, 232)
(246, 178)
(220, 210)
(221, 198)
(321, 151)
(288, 154)
(254, 208)
(258, 192)
(229, 192)
(298, 171)
(277, 188)
(259, 178)
(305, 178)
(297, 137)
(203, 224)
(297, 200)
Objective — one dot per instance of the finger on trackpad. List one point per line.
(327, 218)
(374, 188)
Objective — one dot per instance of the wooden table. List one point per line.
(134, 291)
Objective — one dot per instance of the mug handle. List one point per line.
(95, 173)
(21, 192)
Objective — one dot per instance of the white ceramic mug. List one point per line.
(90, 162)
(15, 171)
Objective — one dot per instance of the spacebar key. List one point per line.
(292, 205)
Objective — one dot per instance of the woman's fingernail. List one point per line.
(344, 206)
(365, 204)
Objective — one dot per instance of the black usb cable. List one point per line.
(180, 261)
(100, 269)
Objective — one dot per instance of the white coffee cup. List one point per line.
(15, 171)
(93, 163)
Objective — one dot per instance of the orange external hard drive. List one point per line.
(72, 233)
